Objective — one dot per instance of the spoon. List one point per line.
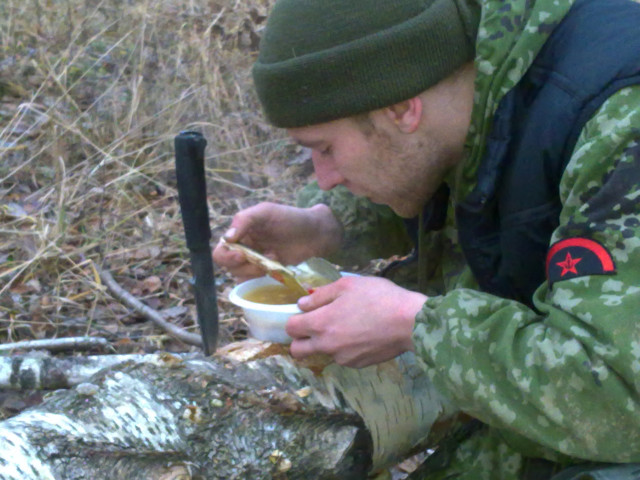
(302, 278)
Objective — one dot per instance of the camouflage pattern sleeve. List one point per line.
(371, 231)
(567, 377)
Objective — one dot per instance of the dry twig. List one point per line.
(41, 371)
(149, 313)
(56, 344)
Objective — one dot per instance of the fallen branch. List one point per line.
(41, 371)
(149, 313)
(56, 344)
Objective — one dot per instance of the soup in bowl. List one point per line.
(267, 305)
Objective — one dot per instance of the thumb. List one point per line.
(239, 228)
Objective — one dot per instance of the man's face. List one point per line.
(377, 159)
(346, 153)
(387, 167)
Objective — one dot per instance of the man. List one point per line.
(507, 135)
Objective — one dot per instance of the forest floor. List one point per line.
(92, 94)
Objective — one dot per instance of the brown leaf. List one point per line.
(19, 289)
(174, 312)
(34, 284)
(152, 284)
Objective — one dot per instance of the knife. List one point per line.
(192, 193)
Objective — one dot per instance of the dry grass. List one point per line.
(91, 95)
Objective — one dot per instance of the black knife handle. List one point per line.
(192, 189)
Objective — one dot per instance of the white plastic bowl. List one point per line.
(266, 322)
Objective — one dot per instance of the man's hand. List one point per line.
(289, 235)
(359, 321)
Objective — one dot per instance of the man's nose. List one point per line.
(326, 173)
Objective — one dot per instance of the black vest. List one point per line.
(505, 224)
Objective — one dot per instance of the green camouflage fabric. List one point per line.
(371, 231)
(562, 384)
(484, 456)
(566, 380)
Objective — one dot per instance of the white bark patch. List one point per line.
(24, 464)
(125, 412)
(137, 415)
(5, 373)
(47, 421)
(395, 400)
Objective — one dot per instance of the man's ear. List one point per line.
(406, 115)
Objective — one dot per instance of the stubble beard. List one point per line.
(419, 170)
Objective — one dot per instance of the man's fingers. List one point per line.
(248, 221)
(227, 257)
(297, 327)
(231, 235)
(246, 272)
(320, 297)
(302, 347)
(235, 263)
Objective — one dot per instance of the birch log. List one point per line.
(251, 412)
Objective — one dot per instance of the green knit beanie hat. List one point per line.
(326, 59)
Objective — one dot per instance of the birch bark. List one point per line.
(250, 412)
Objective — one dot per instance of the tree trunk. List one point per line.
(250, 412)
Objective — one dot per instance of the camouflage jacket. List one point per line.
(563, 379)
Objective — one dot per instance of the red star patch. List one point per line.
(568, 265)
(565, 255)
